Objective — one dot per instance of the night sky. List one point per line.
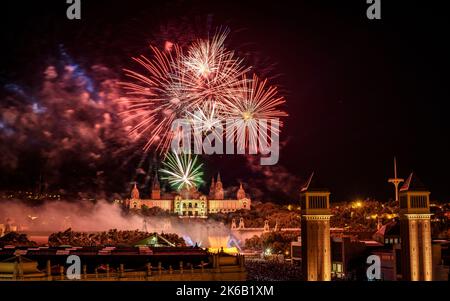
(358, 91)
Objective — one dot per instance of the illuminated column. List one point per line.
(327, 250)
(309, 248)
(315, 232)
(319, 249)
(415, 231)
(427, 251)
(413, 247)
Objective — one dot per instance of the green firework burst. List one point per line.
(182, 171)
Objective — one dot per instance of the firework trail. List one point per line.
(182, 171)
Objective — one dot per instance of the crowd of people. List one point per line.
(272, 271)
(111, 237)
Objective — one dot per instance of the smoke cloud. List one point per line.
(275, 181)
(67, 134)
(86, 216)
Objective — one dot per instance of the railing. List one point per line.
(235, 271)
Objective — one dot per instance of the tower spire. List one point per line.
(395, 180)
(212, 188)
(241, 192)
(156, 181)
(156, 188)
(219, 195)
(135, 192)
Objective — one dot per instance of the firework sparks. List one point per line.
(207, 117)
(209, 71)
(205, 84)
(182, 171)
(256, 101)
(207, 121)
(151, 106)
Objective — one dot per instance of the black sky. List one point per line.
(358, 91)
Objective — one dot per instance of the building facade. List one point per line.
(190, 203)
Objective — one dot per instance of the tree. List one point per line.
(16, 239)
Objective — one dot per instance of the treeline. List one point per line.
(259, 213)
(111, 237)
(277, 242)
(16, 239)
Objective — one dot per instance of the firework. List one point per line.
(207, 117)
(207, 120)
(150, 106)
(256, 101)
(209, 71)
(205, 85)
(176, 85)
(182, 171)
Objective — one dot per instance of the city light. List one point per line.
(357, 204)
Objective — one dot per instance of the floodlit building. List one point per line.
(415, 231)
(315, 234)
(191, 203)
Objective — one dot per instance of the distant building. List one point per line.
(388, 263)
(296, 250)
(388, 234)
(344, 251)
(441, 269)
(190, 203)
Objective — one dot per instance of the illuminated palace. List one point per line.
(190, 202)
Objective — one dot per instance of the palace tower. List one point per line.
(156, 188)
(219, 195)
